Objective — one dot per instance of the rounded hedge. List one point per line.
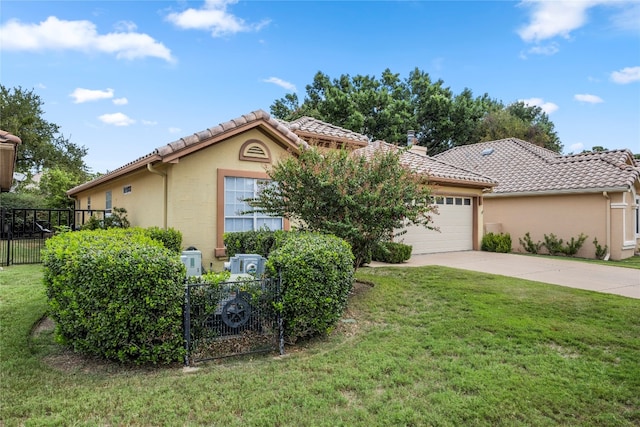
(117, 294)
(317, 276)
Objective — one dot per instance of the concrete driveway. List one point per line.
(557, 271)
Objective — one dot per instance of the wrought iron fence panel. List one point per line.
(231, 318)
(23, 231)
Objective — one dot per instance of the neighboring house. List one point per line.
(542, 192)
(8, 155)
(196, 184)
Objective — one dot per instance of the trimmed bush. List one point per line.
(170, 238)
(116, 294)
(392, 252)
(260, 242)
(317, 275)
(529, 245)
(496, 242)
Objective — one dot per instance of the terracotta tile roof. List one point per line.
(7, 137)
(437, 170)
(308, 127)
(521, 167)
(190, 143)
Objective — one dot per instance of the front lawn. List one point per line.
(424, 346)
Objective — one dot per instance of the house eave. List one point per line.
(597, 190)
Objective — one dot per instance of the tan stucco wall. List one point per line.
(192, 189)
(566, 216)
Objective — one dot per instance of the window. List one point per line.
(107, 201)
(126, 189)
(449, 200)
(236, 189)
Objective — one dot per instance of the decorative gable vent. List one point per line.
(255, 151)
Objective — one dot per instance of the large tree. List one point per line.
(43, 146)
(362, 200)
(387, 107)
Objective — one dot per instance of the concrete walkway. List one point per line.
(557, 271)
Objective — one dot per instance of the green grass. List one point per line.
(429, 346)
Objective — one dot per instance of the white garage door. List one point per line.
(455, 221)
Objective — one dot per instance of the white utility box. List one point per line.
(193, 261)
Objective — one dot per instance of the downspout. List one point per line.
(608, 225)
(165, 192)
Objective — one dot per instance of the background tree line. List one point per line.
(386, 107)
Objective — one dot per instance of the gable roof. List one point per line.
(317, 132)
(437, 171)
(521, 168)
(189, 144)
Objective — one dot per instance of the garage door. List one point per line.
(455, 221)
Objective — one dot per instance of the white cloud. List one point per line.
(41, 86)
(120, 101)
(554, 18)
(283, 84)
(589, 99)
(149, 122)
(547, 107)
(116, 119)
(125, 26)
(81, 95)
(57, 34)
(626, 75)
(628, 17)
(213, 17)
(550, 49)
(174, 130)
(576, 148)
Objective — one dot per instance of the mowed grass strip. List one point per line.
(423, 346)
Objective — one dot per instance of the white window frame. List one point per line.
(255, 216)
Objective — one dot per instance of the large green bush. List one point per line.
(392, 252)
(317, 276)
(117, 294)
(260, 242)
(170, 238)
(496, 242)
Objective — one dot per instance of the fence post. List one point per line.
(280, 321)
(186, 315)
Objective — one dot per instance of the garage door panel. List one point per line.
(455, 223)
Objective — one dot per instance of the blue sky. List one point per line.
(125, 77)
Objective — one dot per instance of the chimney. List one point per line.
(411, 136)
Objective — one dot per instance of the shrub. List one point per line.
(116, 294)
(260, 242)
(117, 219)
(528, 244)
(494, 242)
(170, 238)
(317, 276)
(573, 246)
(601, 252)
(553, 244)
(392, 252)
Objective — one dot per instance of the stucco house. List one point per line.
(542, 192)
(8, 155)
(196, 184)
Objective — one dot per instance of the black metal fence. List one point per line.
(232, 318)
(23, 232)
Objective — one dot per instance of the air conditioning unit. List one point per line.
(247, 264)
(193, 261)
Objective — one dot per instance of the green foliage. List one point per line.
(529, 245)
(170, 238)
(601, 252)
(357, 199)
(317, 274)
(391, 252)
(42, 146)
(557, 246)
(573, 246)
(385, 108)
(260, 242)
(116, 294)
(23, 200)
(54, 184)
(553, 244)
(117, 219)
(496, 242)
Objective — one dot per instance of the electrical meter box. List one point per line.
(193, 261)
(247, 264)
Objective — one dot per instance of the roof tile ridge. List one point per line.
(460, 168)
(536, 149)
